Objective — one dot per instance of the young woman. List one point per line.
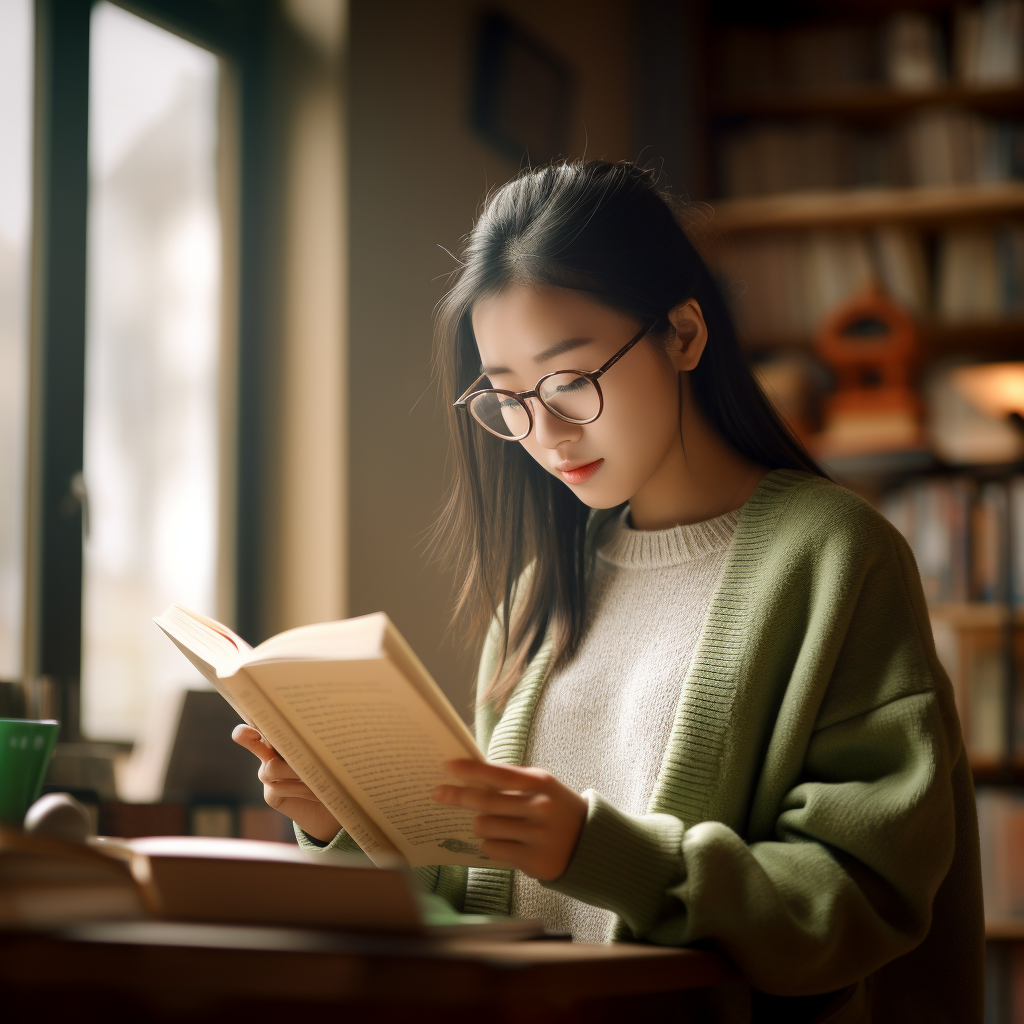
(709, 695)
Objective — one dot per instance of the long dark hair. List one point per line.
(514, 533)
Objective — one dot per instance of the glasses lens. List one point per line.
(570, 396)
(505, 417)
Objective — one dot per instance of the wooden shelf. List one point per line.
(873, 102)
(975, 614)
(990, 339)
(864, 207)
(991, 772)
(1005, 930)
(877, 465)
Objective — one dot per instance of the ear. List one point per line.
(691, 335)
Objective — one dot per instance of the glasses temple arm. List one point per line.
(625, 348)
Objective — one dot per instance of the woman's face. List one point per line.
(526, 332)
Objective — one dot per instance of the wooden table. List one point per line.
(164, 971)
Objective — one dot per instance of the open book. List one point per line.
(353, 711)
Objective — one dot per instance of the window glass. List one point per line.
(15, 220)
(152, 354)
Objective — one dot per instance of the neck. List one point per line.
(702, 476)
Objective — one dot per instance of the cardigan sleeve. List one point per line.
(843, 880)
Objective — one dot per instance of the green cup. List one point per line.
(25, 749)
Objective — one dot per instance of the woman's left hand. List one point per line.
(526, 817)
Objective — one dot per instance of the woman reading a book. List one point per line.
(708, 696)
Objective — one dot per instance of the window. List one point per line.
(152, 361)
(133, 408)
(15, 221)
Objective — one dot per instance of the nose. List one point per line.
(550, 430)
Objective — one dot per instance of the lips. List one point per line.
(580, 472)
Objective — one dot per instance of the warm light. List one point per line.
(996, 389)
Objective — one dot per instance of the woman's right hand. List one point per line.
(284, 790)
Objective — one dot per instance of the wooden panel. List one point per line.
(873, 102)
(993, 339)
(210, 963)
(869, 206)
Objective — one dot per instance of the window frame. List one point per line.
(240, 32)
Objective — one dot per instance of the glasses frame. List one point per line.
(520, 396)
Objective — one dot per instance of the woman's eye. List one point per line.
(509, 403)
(577, 385)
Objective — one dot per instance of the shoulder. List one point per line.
(801, 512)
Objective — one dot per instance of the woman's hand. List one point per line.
(526, 818)
(284, 790)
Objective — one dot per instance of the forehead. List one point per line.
(524, 318)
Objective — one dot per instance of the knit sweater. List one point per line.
(814, 813)
(604, 721)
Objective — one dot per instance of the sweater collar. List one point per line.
(623, 546)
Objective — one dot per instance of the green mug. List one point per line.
(25, 749)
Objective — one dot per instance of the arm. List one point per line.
(839, 876)
(844, 886)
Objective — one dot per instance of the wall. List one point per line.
(417, 175)
(308, 574)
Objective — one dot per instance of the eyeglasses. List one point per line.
(572, 395)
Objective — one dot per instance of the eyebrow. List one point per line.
(559, 347)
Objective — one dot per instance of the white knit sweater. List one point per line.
(603, 722)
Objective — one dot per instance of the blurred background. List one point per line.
(224, 227)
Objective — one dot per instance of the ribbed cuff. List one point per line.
(624, 863)
(341, 843)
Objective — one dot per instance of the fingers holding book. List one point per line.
(284, 790)
(250, 738)
(526, 817)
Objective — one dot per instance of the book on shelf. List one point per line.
(1001, 827)
(909, 50)
(980, 273)
(1004, 976)
(755, 61)
(353, 711)
(934, 147)
(974, 656)
(781, 285)
(955, 526)
(913, 54)
(988, 43)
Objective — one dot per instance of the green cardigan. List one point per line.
(814, 813)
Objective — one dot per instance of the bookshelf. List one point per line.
(881, 145)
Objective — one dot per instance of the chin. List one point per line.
(598, 497)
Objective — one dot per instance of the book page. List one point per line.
(283, 738)
(356, 639)
(386, 745)
(213, 649)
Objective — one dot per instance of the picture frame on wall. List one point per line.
(523, 94)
